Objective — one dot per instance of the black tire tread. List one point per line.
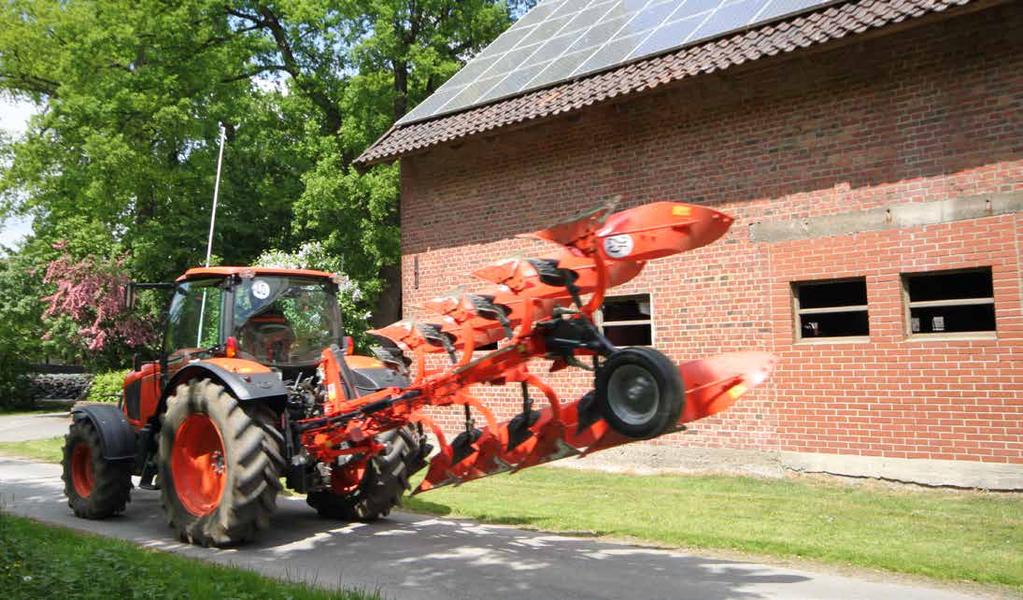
(385, 482)
(253, 458)
(672, 390)
(111, 490)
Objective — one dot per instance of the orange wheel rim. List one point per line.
(198, 465)
(82, 476)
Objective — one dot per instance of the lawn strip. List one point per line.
(945, 535)
(42, 561)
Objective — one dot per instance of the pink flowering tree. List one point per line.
(87, 308)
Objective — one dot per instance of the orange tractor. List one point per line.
(258, 384)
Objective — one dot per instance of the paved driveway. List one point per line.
(415, 557)
(33, 426)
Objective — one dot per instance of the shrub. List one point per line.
(106, 387)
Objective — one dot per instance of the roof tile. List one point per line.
(821, 26)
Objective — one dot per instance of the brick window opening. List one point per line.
(831, 309)
(949, 302)
(627, 320)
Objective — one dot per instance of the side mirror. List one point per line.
(129, 291)
(143, 356)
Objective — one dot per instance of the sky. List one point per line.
(13, 120)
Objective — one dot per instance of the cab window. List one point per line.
(193, 321)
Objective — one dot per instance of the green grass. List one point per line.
(947, 535)
(46, 450)
(40, 561)
(968, 536)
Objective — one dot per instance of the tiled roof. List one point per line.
(834, 22)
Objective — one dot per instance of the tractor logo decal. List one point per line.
(260, 289)
(618, 246)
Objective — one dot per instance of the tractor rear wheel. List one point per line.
(378, 487)
(95, 488)
(219, 465)
(639, 392)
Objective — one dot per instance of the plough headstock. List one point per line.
(535, 308)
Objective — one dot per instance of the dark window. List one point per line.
(627, 320)
(949, 302)
(831, 309)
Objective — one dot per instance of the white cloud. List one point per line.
(14, 115)
(13, 229)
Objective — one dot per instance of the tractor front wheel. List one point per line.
(95, 488)
(639, 392)
(219, 465)
(370, 492)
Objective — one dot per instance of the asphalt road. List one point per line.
(415, 557)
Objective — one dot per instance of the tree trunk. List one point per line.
(388, 304)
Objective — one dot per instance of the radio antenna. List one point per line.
(213, 220)
(216, 194)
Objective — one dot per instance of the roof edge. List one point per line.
(801, 31)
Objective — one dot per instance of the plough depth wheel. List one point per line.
(639, 392)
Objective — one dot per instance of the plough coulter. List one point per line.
(258, 383)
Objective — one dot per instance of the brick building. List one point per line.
(872, 154)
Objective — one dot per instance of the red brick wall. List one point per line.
(928, 114)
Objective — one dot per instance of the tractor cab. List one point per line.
(281, 319)
(250, 326)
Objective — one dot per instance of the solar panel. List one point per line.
(559, 40)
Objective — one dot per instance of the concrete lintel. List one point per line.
(929, 472)
(645, 459)
(897, 216)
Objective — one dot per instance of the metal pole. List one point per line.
(216, 193)
(213, 220)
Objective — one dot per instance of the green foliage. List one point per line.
(121, 155)
(20, 330)
(40, 561)
(106, 386)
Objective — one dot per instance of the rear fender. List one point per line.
(116, 435)
(246, 380)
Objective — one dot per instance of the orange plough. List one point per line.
(544, 307)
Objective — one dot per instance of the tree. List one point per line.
(361, 64)
(90, 297)
(133, 93)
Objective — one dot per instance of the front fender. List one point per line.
(117, 438)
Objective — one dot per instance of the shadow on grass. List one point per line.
(416, 504)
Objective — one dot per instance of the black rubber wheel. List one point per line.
(227, 460)
(385, 480)
(639, 392)
(95, 488)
